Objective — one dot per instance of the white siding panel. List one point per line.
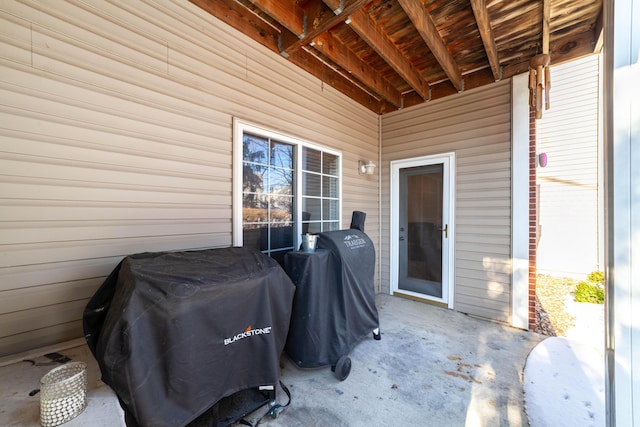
(116, 138)
(476, 126)
(568, 186)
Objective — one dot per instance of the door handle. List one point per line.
(446, 230)
(401, 237)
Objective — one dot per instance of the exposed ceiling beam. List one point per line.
(369, 31)
(572, 47)
(236, 15)
(598, 33)
(337, 52)
(546, 23)
(326, 74)
(486, 33)
(292, 18)
(306, 22)
(427, 29)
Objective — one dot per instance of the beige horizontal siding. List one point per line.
(116, 138)
(476, 126)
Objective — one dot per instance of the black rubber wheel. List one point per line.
(342, 368)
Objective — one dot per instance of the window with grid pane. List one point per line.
(288, 187)
(320, 191)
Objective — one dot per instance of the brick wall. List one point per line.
(533, 220)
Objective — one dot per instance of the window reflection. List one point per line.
(253, 178)
(255, 149)
(281, 209)
(281, 155)
(280, 181)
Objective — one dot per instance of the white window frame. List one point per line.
(240, 127)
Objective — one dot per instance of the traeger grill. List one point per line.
(177, 333)
(334, 305)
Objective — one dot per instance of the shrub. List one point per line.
(589, 292)
(596, 277)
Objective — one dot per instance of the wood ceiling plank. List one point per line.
(339, 53)
(427, 29)
(369, 31)
(486, 33)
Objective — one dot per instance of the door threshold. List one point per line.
(425, 300)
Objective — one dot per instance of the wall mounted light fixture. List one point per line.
(366, 168)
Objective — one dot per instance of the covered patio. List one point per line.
(121, 131)
(432, 366)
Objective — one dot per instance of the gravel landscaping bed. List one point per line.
(552, 317)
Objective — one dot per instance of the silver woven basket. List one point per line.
(63, 394)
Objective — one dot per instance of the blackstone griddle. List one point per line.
(175, 333)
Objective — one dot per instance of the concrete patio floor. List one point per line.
(433, 367)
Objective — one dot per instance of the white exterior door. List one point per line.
(422, 228)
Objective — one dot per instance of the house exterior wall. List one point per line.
(569, 208)
(476, 125)
(116, 138)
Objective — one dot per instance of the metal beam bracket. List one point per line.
(304, 28)
(340, 8)
(280, 48)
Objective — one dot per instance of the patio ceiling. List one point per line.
(392, 54)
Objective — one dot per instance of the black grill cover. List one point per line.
(175, 332)
(334, 306)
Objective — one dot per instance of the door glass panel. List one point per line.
(421, 198)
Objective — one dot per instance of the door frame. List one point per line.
(448, 204)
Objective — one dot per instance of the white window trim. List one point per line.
(240, 127)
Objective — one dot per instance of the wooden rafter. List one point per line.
(395, 54)
(546, 22)
(292, 18)
(236, 15)
(486, 33)
(306, 22)
(314, 21)
(323, 20)
(369, 31)
(336, 51)
(427, 29)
